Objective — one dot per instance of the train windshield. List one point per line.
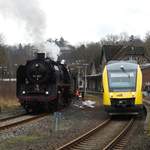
(122, 80)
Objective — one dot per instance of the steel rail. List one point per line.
(12, 117)
(84, 136)
(20, 122)
(119, 137)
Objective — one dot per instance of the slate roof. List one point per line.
(110, 51)
(119, 52)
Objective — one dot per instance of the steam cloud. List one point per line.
(27, 12)
(51, 49)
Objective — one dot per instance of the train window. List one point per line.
(122, 81)
(116, 75)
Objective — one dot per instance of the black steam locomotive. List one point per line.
(43, 84)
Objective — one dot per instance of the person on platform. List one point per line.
(77, 94)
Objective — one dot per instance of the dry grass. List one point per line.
(8, 95)
(7, 103)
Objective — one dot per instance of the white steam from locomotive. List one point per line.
(50, 49)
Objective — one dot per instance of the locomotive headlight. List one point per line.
(36, 65)
(46, 92)
(23, 92)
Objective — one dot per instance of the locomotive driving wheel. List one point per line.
(32, 107)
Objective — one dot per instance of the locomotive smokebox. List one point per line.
(40, 55)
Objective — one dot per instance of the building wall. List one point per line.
(94, 83)
(146, 76)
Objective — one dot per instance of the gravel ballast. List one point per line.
(139, 139)
(44, 135)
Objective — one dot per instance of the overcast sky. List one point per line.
(75, 20)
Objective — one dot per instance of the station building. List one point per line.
(120, 52)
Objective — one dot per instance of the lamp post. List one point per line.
(79, 76)
(85, 73)
(81, 70)
(1, 72)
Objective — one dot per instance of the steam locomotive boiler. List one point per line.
(43, 84)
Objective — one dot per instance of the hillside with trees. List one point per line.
(90, 53)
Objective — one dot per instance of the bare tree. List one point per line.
(147, 42)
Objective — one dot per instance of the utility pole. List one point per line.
(79, 76)
(85, 73)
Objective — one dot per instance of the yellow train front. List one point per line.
(122, 84)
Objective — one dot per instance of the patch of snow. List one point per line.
(89, 103)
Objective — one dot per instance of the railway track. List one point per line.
(11, 113)
(99, 137)
(12, 117)
(120, 141)
(15, 121)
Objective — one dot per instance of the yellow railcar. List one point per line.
(122, 84)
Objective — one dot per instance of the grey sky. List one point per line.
(75, 20)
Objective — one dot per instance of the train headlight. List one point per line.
(46, 92)
(133, 94)
(111, 95)
(23, 92)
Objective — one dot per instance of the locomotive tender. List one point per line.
(43, 84)
(122, 84)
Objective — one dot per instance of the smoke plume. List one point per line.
(27, 13)
(51, 49)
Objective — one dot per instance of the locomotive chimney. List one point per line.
(40, 55)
